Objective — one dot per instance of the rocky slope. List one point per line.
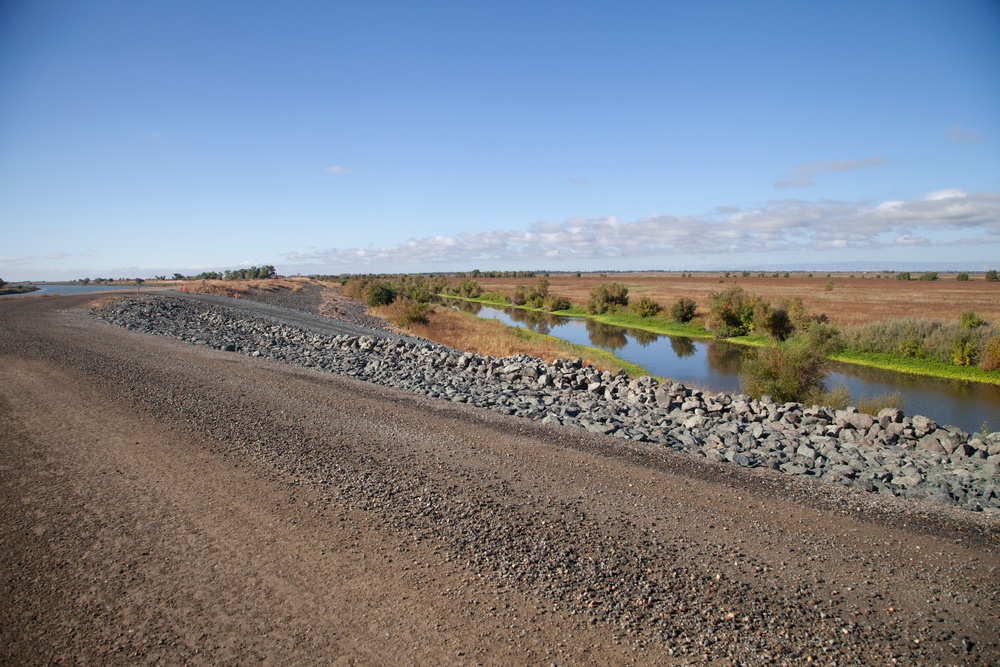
(890, 454)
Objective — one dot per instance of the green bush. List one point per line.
(794, 369)
(731, 311)
(930, 275)
(775, 322)
(683, 310)
(963, 350)
(969, 320)
(607, 298)
(553, 303)
(992, 276)
(520, 296)
(962, 277)
(903, 275)
(380, 294)
(645, 307)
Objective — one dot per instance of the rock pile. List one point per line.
(890, 453)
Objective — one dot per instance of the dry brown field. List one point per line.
(855, 298)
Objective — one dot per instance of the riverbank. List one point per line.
(919, 367)
(7, 290)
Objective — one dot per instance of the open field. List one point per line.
(853, 300)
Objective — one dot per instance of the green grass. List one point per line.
(926, 367)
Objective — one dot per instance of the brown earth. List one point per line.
(853, 300)
(168, 503)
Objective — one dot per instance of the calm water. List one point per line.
(716, 366)
(76, 289)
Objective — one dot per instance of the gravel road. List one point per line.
(171, 503)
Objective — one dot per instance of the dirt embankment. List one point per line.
(168, 502)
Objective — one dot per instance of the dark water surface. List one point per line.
(59, 289)
(715, 366)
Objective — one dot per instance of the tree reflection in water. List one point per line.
(642, 337)
(682, 347)
(607, 336)
(532, 319)
(725, 359)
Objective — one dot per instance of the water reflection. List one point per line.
(606, 336)
(726, 359)
(642, 337)
(682, 347)
(716, 366)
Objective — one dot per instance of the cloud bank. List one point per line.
(801, 176)
(955, 217)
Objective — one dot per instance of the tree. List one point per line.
(903, 275)
(992, 276)
(607, 298)
(793, 370)
(381, 293)
(962, 277)
(731, 312)
(683, 310)
(2, 282)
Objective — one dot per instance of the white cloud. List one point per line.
(784, 225)
(336, 170)
(801, 175)
(961, 135)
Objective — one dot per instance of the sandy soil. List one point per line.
(168, 503)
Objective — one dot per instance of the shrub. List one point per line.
(520, 296)
(989, 360)
(731, 312)
(962, 277)
(969, 320)
(607, 298)
(645, 307)
(992, 276)
(829, 286)
(380, 294)
(775, 322)
(553, 303)
(793, 370)
(930, 275)
(903, 275)
(413, 312)
(683, 310)
(963, 350)
(470, 289)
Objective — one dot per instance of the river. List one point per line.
(715, 366)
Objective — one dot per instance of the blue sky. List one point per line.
(147, 138)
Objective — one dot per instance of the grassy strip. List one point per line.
(926, 367)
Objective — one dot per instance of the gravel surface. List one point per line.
(268, 511)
